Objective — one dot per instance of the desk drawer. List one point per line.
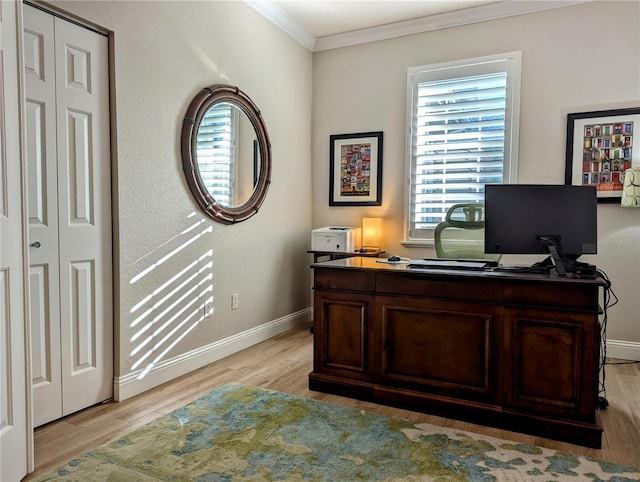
(552, 295)
(341, 279)
(434, 286)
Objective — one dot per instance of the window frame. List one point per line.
(510, 63)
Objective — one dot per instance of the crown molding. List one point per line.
(283, 20)
(482, 13)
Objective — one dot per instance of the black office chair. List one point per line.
(461, 234)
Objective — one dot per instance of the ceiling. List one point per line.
(327, 24)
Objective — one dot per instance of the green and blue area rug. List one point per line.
(245, 433)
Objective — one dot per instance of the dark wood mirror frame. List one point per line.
(200, 104)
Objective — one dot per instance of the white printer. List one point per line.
(335, 238)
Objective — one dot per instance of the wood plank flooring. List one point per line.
(283, 363)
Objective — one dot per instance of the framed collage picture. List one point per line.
(600, 148)
(355, 174)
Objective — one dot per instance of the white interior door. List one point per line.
(15, 440)
(84, 207)
(40, 122)
(69, 191)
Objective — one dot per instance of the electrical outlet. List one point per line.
(208, 309)
(234, 301)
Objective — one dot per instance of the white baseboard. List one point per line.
(130, 384)
(625, 350)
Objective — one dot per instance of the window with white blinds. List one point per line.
(463, 125)
(216, 153)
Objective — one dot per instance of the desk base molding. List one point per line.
(579, 433)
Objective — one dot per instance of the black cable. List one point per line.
(607, 295)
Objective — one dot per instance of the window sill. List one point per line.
(418, 243)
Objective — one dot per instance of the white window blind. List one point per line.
(461, 137)
(215, 150)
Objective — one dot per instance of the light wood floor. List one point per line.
(283, 364)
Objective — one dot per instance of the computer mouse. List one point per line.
(394, 259)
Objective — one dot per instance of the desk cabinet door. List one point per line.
(551, 362)
(342, 324)
(440, 347)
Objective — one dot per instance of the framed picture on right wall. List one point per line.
(601, 146)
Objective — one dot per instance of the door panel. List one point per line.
(42, 193)
(41, 356)
(84, 173)
(342, 329)
(82, 312)
(6, 389)
(45, 342)
(70, 191)
(80, 188)
(37, 174)
(547, 369)
(442, 347)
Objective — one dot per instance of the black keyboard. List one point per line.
(474, 265)
(488, 262)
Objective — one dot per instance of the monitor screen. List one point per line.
(526, 218)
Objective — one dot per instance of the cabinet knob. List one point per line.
(35, 244)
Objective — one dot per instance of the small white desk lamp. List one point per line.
(371, 233)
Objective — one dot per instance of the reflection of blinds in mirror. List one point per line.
(215, 153)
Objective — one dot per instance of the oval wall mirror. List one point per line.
(226, 153)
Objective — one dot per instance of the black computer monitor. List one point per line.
(540, 218)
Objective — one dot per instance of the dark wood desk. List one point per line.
(332, 255)
(518, 351)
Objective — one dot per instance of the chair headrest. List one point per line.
(466, 215)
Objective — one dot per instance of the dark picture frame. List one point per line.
(600, 147)
(355, 172)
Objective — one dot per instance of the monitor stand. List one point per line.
(557, 258)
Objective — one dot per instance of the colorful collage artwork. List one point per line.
(606, 154)
(355, 169)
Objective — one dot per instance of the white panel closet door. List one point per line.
(66, 68)
(42, 192)
(84, 208)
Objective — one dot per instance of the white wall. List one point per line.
(164, 52)
(574, 59)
